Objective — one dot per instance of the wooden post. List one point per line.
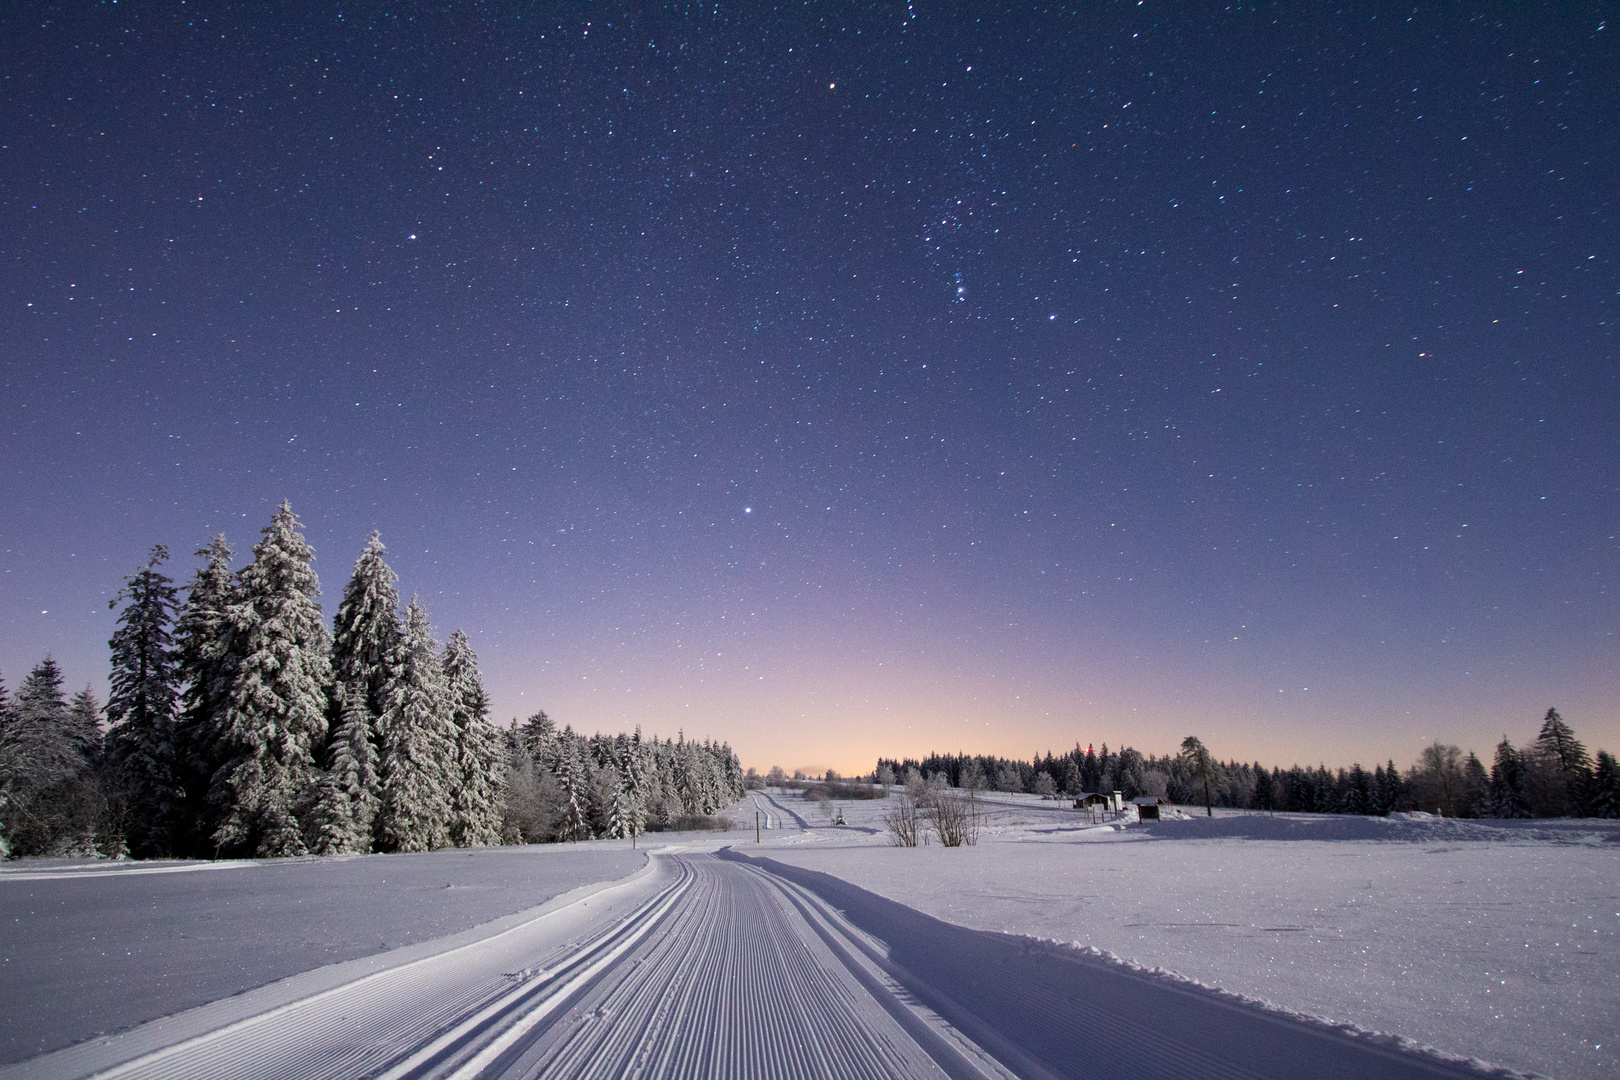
(756, 826)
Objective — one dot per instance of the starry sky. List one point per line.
(847, 379)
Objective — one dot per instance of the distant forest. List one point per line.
(1551, 777)
(237, 725)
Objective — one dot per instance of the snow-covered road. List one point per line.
(718, 965)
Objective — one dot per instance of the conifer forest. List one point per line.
(238, 725)
(1552, 775)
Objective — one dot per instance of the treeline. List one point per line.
(1553, 776)
(563, 786)
(237, 725)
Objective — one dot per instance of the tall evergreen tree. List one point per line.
(44, 754)
(1265, 789)
(200, 663)
(1563, 769)
(1071, 778)
(1476, 787)
(537, 739)
(1561, 744)
(417, 740)
(1357, 797)
(1200, 764)
(1507, 783)
(624, 812)
(43, 718)
(347, 812)
(480, 774)
(86, 729)
(141, 706)
(278, 667)
(366, 631)
(574, 781)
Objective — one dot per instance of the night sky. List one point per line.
(843, 380)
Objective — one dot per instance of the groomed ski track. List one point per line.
(723, 966)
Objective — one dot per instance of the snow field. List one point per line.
(364, 1017)
(1500, 942)
(93, 949)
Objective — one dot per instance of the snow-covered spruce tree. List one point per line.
(658, 798)
(200, 667)
(633, 793)
(624, 813)
(1071, 778)
(347, 808)
(365, 648)
(480, 775)
(417, 743)
(141, 708)
(277, 669)
(575, 781)
(681, 782)
(44, 759)
(733, 786)
(537, 738)
(366, 632)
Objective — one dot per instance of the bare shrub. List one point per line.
(955, 816)
(905, 821)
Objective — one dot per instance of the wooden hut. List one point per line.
(1094, 804)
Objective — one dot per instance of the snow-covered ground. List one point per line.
(91, 948)
(1494, 941)
(1499, 941)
